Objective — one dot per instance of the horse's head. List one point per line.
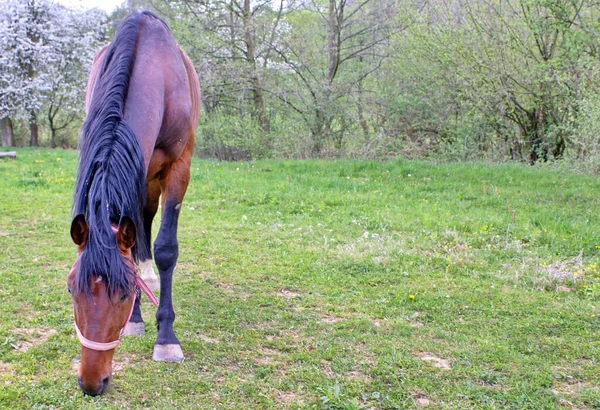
(101, 313)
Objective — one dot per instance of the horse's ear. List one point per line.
(79, 230)
(126, 233)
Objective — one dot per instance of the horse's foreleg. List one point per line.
(166, 250)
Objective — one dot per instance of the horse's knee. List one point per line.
(165, 315)
(165, 254)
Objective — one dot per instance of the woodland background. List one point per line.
(458, 80)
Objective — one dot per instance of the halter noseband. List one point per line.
(90, 344)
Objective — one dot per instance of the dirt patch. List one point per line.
(292, 333)
(331, 318)
(434, 360)
(286, 398)
(288, 294)
(421, 399)
(207, 339)
(267, 357)
(264, 361)
(228, 287)
(561, 276)
(5, 370)
(120, 365)
(327, 370)
(357, 374)
(28, 337)
(563, 391)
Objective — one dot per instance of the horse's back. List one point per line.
(163, 96)
(159, 106)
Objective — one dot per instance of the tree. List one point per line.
(515, 69)
(45, 50)
(234, 43)
(75, 44)
(345, 51)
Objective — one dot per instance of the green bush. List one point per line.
(229, 137)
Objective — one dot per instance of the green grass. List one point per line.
(327, 285)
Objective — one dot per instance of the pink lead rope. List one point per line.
(142, 285)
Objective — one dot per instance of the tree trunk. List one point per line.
(361, 116)
(7, 131)
(259, 103)
(51, 115)
(335, 17)
(33, 129)
(259, 106)
(317, 132)
(53, 139)
(539, 146)
(333, 43)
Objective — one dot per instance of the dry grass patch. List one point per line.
(381, 248)
(288, 294)
(267, 356)
(285, 398)
(6, 369)
(357, 374)
(562, 276)
(421, 399)
(207, 339)
(434, 360)
(228, 287)
(121, 362)
(331, 318)
(29, 337)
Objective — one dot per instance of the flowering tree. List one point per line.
(45, 53)
(75, 44)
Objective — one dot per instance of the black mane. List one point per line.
(111, 177)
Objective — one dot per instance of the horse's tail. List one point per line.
(194, 82)
(111, 179)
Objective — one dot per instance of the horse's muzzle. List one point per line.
(100, 388)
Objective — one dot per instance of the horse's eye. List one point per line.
(69, 290)
(123, 298)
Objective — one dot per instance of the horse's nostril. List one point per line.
(90, 391)
(105, 382)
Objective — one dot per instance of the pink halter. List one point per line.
(90, 344)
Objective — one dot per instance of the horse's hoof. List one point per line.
(148, 275)
(167, 353)
(134, 329)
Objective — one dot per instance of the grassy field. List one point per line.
(327, 285)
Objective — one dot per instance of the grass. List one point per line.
(327, 285)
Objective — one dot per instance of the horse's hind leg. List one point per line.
(136, 326)
(150, 209)
(166, 250)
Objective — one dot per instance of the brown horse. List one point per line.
(136, 144)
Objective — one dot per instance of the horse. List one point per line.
(136, 145)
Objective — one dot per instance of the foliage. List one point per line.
(495, 79)
(326, 284)
(46, 52)
(230, 138)
(452, 80)
(520, 68)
